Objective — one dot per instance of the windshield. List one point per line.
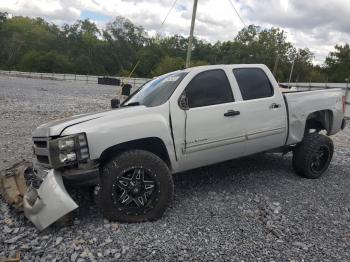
(157, 91)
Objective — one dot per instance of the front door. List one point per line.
(213, 129)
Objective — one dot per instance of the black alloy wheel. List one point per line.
(135, 186)
(135, 191)
(320, 159)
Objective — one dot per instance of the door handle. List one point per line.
(232, 113)
(274, 105)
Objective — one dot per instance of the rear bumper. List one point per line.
(48, 202)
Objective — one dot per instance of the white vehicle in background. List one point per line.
(177, 122)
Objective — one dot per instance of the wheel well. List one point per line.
(152, 144)
(319, 120)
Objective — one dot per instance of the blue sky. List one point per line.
(180, 8)
(95, 16)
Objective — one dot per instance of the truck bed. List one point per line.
(300, 104)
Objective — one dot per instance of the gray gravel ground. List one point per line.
(251, 209)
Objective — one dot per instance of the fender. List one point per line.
(111, 130)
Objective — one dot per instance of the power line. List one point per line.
(172, 7)
(239, 16)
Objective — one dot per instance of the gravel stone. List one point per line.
(59, 240)
(7, 230)
(74, 257)
(251, 209)
(301, 245)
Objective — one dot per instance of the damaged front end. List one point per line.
(38, 189)
(49, 202)
(40, 193)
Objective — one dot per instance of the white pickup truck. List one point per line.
(176, 122)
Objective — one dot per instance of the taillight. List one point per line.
(344, 103)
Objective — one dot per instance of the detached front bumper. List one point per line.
(48, 202)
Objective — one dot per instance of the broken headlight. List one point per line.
(68, 150)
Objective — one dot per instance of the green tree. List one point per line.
(337, 64)
(46, 62)
(149, 57)
(83, 65)
(3, 17)
(303, 67)
(168, 64)
(33, 44)
(124, 39)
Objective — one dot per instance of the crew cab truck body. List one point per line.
(176, 122)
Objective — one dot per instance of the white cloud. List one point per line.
(55, 10)
(318, 25)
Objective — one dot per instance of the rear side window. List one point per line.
(209, 88)
(253, 83)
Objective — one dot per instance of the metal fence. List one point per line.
(135, 82)
(318, 86)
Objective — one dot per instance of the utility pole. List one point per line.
(278, 54)
(190, 41)
(291, 70)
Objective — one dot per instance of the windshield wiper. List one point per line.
(132, 104)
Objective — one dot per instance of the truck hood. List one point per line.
(56, 127)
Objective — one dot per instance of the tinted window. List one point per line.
(253, 83)
(209, 88)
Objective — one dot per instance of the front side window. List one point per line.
(209, 88)
(157, 91)
(253, 83)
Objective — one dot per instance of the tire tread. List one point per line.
(304, 151)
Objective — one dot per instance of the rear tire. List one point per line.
(135, 186)
(312, 156)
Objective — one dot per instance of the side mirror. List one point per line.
(183, 101)
(115, 103)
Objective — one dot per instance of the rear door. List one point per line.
(263, 109)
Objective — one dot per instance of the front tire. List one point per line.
(312, 156)
(135, 186)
